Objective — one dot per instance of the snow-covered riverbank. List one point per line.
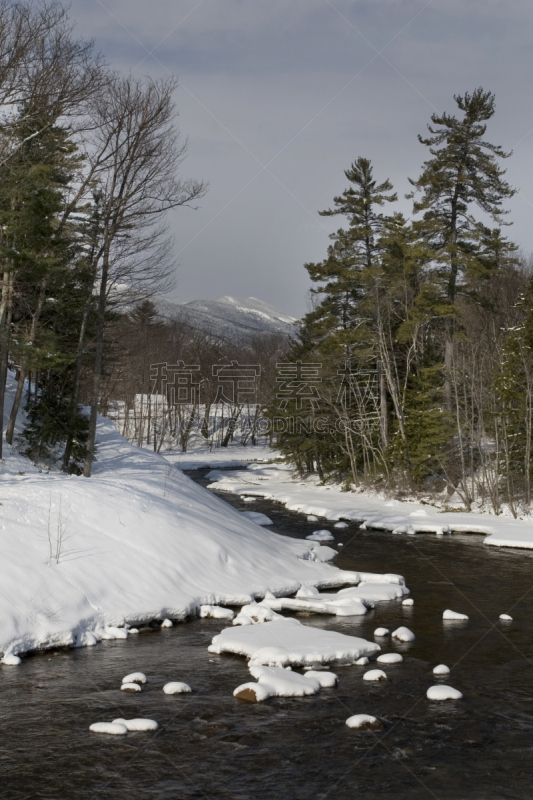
(277, 482)
(81, 558)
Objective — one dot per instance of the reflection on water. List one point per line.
(210, 745)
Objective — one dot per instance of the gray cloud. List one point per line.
(293, 83)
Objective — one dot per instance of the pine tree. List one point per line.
(463, 172)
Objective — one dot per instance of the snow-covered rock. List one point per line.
(390, 658)
(216, 612)
(364, 722)
(257, 517)
(167, 623)
(375, 675)
(442, 692)
(341, 525)
(321, 536)
(113, 728)
(176, 687)
(311, 517)
(139, 724)
(11, 660)
(441, 669)
(505, 618)
(284, 642)
(130, 687)
(325, 678)
(134, 677)
(362, 662)
(449, 614)
(403, 634)
(381, 632)
(408, 601)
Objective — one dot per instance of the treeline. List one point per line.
(89, 166)
(423, 328)
(167, 385)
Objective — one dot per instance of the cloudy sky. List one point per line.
(278, 97)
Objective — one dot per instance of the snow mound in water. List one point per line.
(403, 634)
(216, 612)
(506, 618)
(408, 602)
(139, 724)
(341, 525)
(276, 682)
(364, 722)
(113, 728)
(135, 677)
(321, 536)
(441, 669)
(326, 679)
(130, 687)
(442, 692)
(167, 623)
(449, 614)
(312, 518)
(257, 517)
(11, 660)
(381, 632)
(176, 687)
(362, 662)
(390, 658)
(285, 642)
(375, 675)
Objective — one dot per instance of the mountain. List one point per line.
(233, 320)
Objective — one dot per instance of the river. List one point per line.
(210, 746)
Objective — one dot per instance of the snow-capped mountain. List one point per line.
(233, 320)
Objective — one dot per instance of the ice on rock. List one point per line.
(408, 601)
(364, 722)
(216, 612)
(321, 536)
(139, 724)
(135, 677)
(442, 692)
(167, 623)
(506, 618)
(113, 728)
(403, 634)
(312, 518)
(441, 669)
(375, 675)
(325, 678)
(11, 660)
(449, 614)
(130, 687)
(390, 658)
(176, 687)
(381, 632)
(362, 662)
(284, 642)
(257, 517)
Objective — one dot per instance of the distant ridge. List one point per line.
(233, 320)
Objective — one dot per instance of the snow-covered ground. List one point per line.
(84, 558)
(277, 482)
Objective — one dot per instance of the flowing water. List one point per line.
(210, 745)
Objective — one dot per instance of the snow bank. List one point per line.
(284, 642)
(136, 542)
(277, 482)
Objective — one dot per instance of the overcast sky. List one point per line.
(278, 97)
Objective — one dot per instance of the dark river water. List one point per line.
(210, 745)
